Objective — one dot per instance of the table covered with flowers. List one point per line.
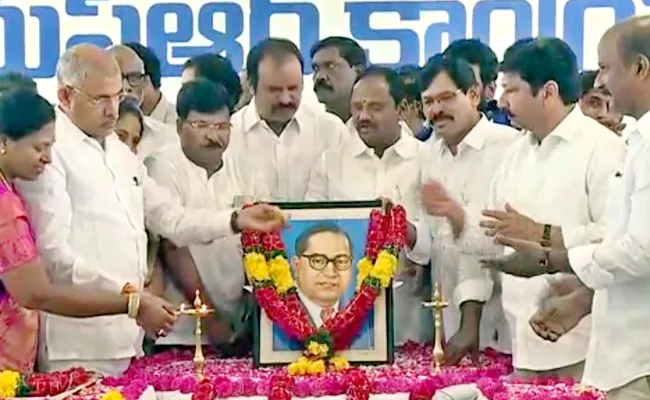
(171, 376)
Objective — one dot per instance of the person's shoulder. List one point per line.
(500, 134)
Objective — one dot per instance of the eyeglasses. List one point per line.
(134, 78)
(318, 262)
(217, 126)
(101, 99)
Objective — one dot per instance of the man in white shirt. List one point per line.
(90, 208)
(197, 175)
(276, 133)
(557, 174)
(618, 359)
(379, 160)
(154, 103)
(156, 134)
(463, 159)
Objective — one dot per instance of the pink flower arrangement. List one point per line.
(411, 373)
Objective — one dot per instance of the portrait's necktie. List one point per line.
(326, 313)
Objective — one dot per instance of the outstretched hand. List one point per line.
(262, 218)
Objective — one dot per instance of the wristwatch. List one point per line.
(233, 222)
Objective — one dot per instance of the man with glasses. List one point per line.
(464, 155)
(198, 175)
(90, 209)
(323, 269)
(156, 134)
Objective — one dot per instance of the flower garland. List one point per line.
(266, 264)
(15, 384)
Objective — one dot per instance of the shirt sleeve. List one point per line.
(17, 246)
(165, 216)
(51, 216)
(626, 257)
(608, 159)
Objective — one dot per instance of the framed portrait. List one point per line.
(324, 243)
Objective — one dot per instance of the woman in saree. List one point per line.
(26, 139)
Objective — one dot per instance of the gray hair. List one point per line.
(71, 69)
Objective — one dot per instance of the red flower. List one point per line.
(57, 382)
(250, 239)
(358, 385)
(280, 313)
(205, 391)
(345, 325)
(281, 387)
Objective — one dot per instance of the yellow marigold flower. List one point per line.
(317, 367)
(299, 367)
(280, 272)
(318, 350)
(364, 267)
(9, 381)
(113, 395)
(339, 363)
(256, 267)
(384, 268)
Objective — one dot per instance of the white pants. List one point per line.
(104, 367)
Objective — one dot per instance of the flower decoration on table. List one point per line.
(267, 266)
(15, 384)
(410, 374)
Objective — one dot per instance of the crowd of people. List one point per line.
(117, 203)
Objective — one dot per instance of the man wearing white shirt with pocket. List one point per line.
(90, 208)
(277, 133)
(557, 174)
(199, 177)
(618, 269)
(463, 158)
(379, 160)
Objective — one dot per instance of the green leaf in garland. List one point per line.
(24, 390)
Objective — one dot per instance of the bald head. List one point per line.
(132, 69)
(80, 60)
(632, 37)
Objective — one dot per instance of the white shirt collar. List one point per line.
(252, 117)
(314, 309)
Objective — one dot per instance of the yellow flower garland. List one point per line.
(277, 270)
(113, 395)
(384, 269)
(9, 382)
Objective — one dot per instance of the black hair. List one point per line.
(516, 46)
(271, 47)
(150, 60)
(16, 80)
(395, 85)
(219, 70)
(201, 95)
(459, 70)
(23, 112)
(478, 53)
(409, 74)
(303, 238)
(130, 106)
(587, 81)
(348, 49)
(543, 60)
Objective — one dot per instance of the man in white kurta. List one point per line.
(198, 177)
(462, 159)
(618, 270)
(276, 133)
(557, 174)
(90, 208)
(379, 160)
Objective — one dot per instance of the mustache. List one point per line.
(364, 124)
(441, 116)
(288, 106)
(322, 85)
